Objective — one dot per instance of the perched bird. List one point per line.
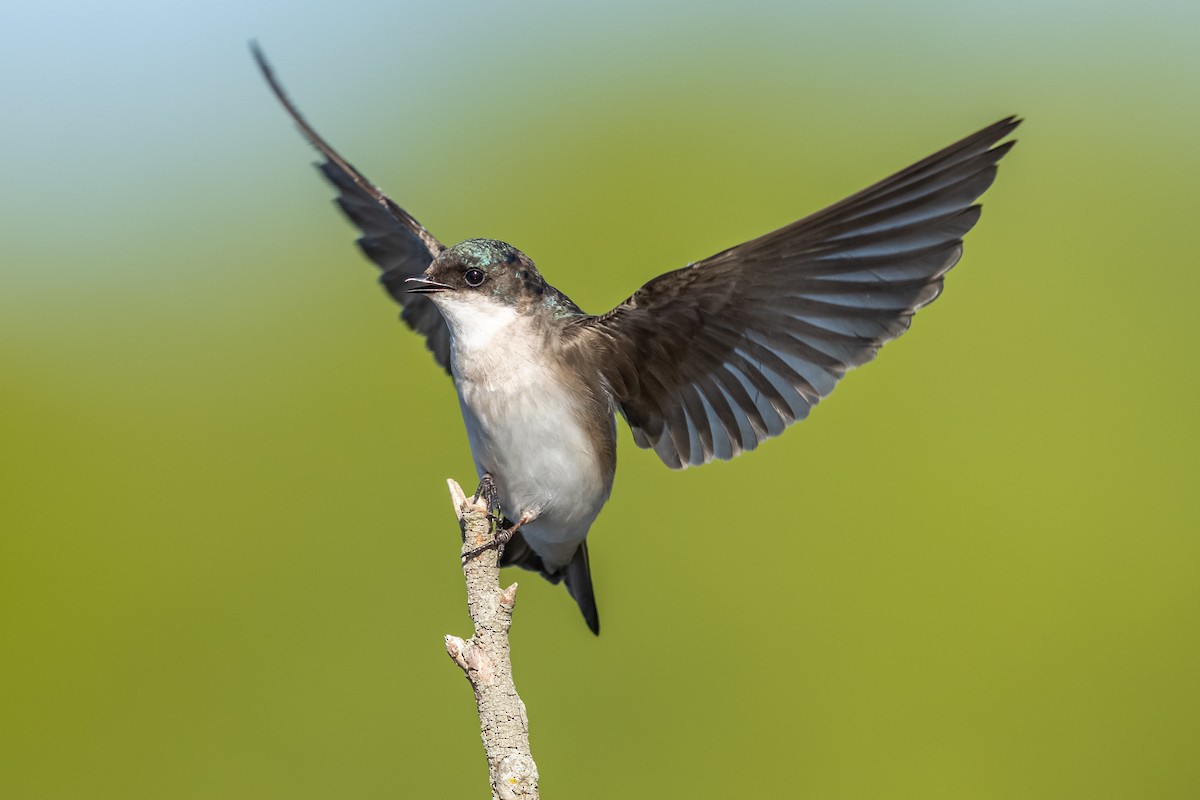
(704, 362)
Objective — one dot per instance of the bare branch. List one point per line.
(484, 658)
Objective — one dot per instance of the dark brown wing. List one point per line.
(398, 244)
(712, 359)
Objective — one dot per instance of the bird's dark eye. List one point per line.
(474, 277)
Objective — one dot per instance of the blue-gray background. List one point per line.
(227, 557)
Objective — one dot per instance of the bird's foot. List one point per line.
(487, 490)
(503, 535)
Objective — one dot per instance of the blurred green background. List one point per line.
(227, 555)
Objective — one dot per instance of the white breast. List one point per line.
(524, 429)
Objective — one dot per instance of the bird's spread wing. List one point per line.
(712, 359)
(398, 244)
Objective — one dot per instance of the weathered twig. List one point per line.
(485, 659)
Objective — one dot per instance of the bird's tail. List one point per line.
(578, 577)
(576, 574)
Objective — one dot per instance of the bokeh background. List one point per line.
(227, 555)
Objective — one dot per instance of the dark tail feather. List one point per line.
(577, 575)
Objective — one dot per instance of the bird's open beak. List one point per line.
(426, 286)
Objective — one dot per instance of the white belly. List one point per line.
(524, 432)
(523, 429)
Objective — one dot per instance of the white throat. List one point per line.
(476, 322)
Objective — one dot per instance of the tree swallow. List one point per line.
(704, 362)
